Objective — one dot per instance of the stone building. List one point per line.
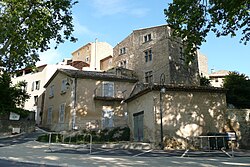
(93, 54)
(217, 78)
(151, 52)
(86, 100)
(203, 65)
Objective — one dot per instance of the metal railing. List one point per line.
(208, 144)
(86, 134)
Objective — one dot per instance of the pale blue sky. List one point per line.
(113, 20)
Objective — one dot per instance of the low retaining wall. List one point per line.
(25, 124)
(238, 120)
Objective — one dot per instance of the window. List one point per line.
(51, 91)
(35, 85)
(182, 58)
(122, 50)
(64, 86)
(107, 118)
(24, 86)
(148, 55)
(35, 100)
(61, 113)
(87, 58)
(147, 38)
(49, 119)
(123, 63)
(108, 89)
(149, 77)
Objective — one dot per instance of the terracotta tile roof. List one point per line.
(105, 76)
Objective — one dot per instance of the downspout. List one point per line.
(74, 127)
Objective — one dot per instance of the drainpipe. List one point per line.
(74, 127)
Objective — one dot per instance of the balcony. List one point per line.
(108, 94)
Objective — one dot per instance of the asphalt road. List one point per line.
(23, 138)
(7, 163)
(24, 151)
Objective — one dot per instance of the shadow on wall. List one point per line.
(238, 120)
(188, 114)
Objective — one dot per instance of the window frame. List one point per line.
(104, 89)
(61, 114)
(122, 50)
(147, 38)
(51, 91)
(148, 76)
(63, 86)
(49, 115)
(35, 100)
(37, 84)
(107, 118)
(148, 55)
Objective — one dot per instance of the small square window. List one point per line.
(122, 50)
(147, 38)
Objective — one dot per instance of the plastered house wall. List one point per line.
(185, 113)
(88, 108)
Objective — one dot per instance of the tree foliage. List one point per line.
(204, 81)
(12, 96)
(28, 26)
(192, 20)
(238, 90)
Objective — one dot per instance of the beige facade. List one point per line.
(217, 78)
(106, 63)
(151, 52)
(187, 111)
(92, 54)
(35, 81)
(85, 99)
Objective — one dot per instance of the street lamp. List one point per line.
(162, 91)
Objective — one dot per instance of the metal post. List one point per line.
(162, 145)
(74, 104)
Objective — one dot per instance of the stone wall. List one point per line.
(238, 120)
(25, 124)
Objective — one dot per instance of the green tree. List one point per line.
(204, 81)
(28, 26)
(192, 20)
(238, 90)
(12, 96)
